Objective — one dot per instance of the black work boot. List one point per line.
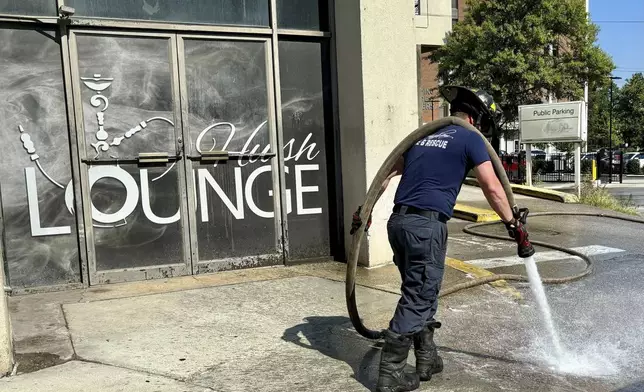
(393, 358)
(427, 360)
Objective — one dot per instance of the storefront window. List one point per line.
(128, 102)
(30, 7)
(227, 12)
(302, 14)
(150, 234)
(126, 81)
(40, 240)
(228, 110)
(305, 132)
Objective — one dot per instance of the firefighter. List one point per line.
(432, 172)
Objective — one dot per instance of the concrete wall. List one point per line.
(434, 21)
(378, 101)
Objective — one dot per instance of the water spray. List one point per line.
(370, 201)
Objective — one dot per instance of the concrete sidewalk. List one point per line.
(278, 329)
(270, 329)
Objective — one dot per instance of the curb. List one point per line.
(478, 272)
(539, 193)
(474, 214)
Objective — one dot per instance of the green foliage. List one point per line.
(599, 117)
(601, 198)
(630, 109)
(633, 166)
(503, 47)
(586, 166)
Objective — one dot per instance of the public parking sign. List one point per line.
(551, 122)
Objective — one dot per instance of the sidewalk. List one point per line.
(270, 329)
(273, 329)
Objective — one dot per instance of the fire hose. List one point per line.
(370, 201)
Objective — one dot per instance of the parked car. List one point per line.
(536, 154)
(629, 155)
(634, 155)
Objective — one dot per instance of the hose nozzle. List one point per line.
(524, 247)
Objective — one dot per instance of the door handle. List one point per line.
(216, 156)
(142, 158)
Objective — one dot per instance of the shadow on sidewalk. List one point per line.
(333, 337)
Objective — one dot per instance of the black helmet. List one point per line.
(478, 104)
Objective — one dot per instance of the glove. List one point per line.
(356, 222)
(518, 232)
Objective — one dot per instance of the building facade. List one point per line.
(147, 139)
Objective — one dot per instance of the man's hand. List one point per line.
(356, 222)
(517, 231)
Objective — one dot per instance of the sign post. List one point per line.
(553, 122)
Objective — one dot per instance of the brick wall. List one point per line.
(429, 96)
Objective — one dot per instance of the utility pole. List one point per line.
(610, 132)
(584, 125)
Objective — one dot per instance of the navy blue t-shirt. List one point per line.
(436, 166)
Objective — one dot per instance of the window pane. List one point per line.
(235, 210)
(126, 86)
(137, 223)
(302, 14)
(305, 128)
(29, 7)
(226, 82)
(234, 12)
(41, 244)
(228, 110)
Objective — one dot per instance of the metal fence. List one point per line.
(560, 167)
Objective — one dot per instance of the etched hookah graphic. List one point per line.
(98, 84)
(28, 145)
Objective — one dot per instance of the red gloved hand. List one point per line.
(356, 222)
(517, 231)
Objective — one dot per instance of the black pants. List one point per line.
(420, 245)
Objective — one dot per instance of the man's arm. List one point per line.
(493, 191)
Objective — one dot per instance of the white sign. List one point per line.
(551, 122)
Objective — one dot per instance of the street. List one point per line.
(631, 189)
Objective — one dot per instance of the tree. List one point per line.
(630, 110)
(599, 117)
(504, 47)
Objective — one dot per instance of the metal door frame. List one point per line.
(179, 268)
(277, 170)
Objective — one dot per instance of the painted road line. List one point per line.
(539, 193)
(474, 214)
(592, 250)
(479, 272)
(482, 242)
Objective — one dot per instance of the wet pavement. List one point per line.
(282, 329)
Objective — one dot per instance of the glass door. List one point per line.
(130, 143)
(228, 119)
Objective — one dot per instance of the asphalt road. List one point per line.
(599, 318)
(635, 195)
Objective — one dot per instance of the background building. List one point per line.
(144, 140)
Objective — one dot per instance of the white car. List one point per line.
(634, 155)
